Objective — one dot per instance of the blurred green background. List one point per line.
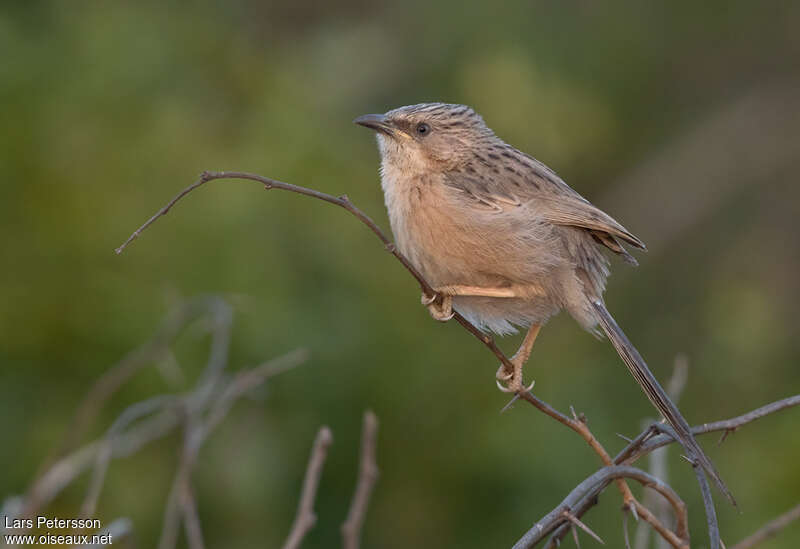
(682, 120)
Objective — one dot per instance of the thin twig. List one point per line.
(343, 202)
(367, 475)
(770, 529)
(305, 518)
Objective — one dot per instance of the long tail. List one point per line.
(656, 394)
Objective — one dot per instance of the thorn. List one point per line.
(691, 461)
(725, 434)
(626, 439)
(625, 530)
(632, 508)
(510, 402)
(529, 388)
(390, 247)
(572, 410)
(577, 522)
(575, 536)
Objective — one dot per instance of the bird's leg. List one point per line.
(442, 310)
(513, 379)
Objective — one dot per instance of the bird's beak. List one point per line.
(377, 122)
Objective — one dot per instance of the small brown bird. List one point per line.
(502, 239)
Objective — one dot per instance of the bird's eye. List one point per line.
(423, 129)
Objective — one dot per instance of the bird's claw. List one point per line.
(441, 310)
(501, 375)
(515, 386)
(502, 387)
(426, 299)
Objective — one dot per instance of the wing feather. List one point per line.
(508, 179)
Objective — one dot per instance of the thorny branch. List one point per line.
(648, 440)
(589, 489)
(644, 443)
(678, 539)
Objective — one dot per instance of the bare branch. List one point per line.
(634, 451)
(769, 529)
(305, 518)
(658, 435)
(150, 351)
(589, 489)
(367, 475)
(128, 435)
(580, 426)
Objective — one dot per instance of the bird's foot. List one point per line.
(440, 306)
(511, 382)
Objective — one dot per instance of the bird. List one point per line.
(504, 241)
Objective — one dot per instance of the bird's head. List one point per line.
(427, 137)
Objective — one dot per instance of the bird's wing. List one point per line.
(574, 212)
(511, 178)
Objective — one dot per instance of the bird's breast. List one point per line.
(429, 229)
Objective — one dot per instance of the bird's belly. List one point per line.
(502, 315)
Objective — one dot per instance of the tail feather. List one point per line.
(657, 395)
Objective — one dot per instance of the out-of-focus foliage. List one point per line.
(108, 109)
